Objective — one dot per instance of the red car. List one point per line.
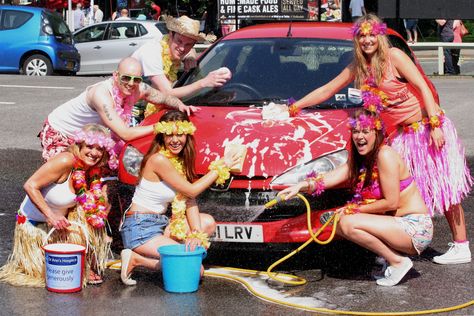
(269, 63)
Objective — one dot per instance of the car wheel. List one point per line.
(37, 65)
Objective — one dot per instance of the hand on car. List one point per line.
(217, 78)
(233, 160)
(188, 109)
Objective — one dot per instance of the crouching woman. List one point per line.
(387, 214)
(167, 176)
(66, 186)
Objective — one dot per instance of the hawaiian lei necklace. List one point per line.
(123, 105)
(178, 207)
(170, 67)
(90, 200)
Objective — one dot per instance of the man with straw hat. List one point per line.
(161, 58)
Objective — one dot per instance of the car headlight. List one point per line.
(320, 165)
(131, 160)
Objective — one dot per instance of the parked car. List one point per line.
(104, 44)
(35, 42)
(269, 63)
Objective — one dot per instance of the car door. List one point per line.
(91, 44)
(122, 40)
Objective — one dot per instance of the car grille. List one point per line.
(248, 206)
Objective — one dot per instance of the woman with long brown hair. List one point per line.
(167, 176)
(387, 214)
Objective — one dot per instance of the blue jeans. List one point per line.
(137, 229)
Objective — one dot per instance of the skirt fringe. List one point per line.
(26, 264)
(442, 176)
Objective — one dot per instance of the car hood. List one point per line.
(273, 146)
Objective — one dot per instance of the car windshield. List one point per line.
(274, 69)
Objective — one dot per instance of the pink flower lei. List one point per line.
(97, 138)
(366, 121)
(123, 104)
(369, 28)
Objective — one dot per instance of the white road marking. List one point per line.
(35, 87)
(7, 102)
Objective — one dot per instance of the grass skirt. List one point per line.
(442, 176)
(26, 264)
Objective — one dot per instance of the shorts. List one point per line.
(139, 228)
(53, 142)
(419, 227)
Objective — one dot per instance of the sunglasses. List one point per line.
(128, 78)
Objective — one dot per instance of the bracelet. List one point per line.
(436, 120)
(223, 172)
(292, 108)
(351, 208)
(316, 184)
(202, 236)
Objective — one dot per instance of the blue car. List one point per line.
(36, 42)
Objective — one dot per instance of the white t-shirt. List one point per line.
(356, 7)
(149, 55)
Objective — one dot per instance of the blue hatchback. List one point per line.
(36, 42)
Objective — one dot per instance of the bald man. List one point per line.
(108, 103)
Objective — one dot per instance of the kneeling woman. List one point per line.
(387, 215)
(166, 176)
(67, 184)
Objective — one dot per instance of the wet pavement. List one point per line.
(339, 275)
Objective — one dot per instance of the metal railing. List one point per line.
(440, 46)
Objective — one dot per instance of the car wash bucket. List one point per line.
(181, 269)
(64, 267)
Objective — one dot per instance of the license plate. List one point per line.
(238, 233)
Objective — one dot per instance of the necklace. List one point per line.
(178, 206)
(360, 185)
(89, 199)
(123, 104)
(170, 67)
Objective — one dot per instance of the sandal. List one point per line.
(94, 278)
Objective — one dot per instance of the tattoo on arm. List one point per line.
(107, 111)
(156, 97)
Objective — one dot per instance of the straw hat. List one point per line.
(187, 27)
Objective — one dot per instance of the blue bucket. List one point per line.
(181, 268)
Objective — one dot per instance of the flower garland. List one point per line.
(92, 201)
(170, 67)
(374, 99)
(315, 182)
(292, 108)
(366, 121)
(223, 172)
(123, 104)
(95, 138)
(178, 226)
(352, 207)
(174, 127)
(369, 28)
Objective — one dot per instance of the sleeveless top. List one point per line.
(58, 196)
(403, 99)
(153, 195)
(75, 113)
(373, 191)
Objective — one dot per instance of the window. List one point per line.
(91, 34)
(14, 19)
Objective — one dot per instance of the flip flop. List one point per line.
(126, 255)
(94, 278)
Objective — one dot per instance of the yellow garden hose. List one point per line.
(295, 280)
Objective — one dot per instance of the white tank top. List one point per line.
(58, 196)
(75, 113)
(154, 196)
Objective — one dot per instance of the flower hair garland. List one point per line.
(91, 201)
(369, 28)
(174, 127)
(366, 121)
(98, 138)
(170, 67)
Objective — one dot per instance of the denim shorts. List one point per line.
(139, 228)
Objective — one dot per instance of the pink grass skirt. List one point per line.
(442, 176)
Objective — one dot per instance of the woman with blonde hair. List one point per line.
(65, 192)
(419, 130)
